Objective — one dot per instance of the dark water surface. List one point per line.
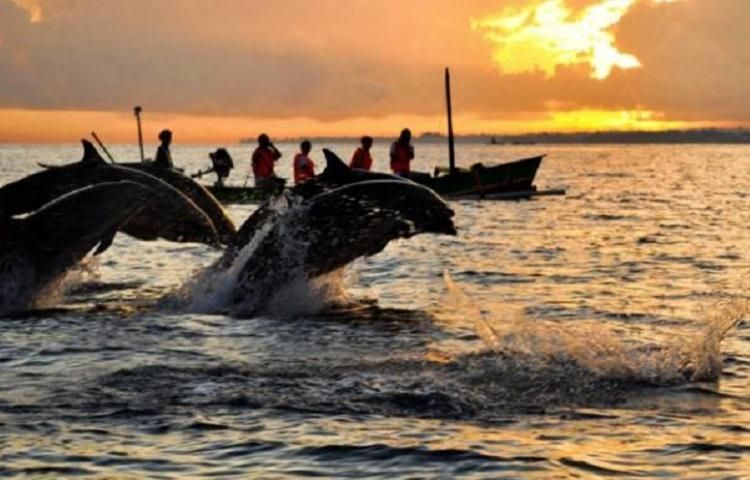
(573, 337)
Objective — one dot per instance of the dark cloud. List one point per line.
(334, 59)
(696, 57)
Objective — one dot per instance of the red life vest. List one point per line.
(304, 168)
(361, 159)
(401, 158)
(263, 159)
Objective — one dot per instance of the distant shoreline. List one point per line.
(702, 136)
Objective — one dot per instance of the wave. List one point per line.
(694, 356)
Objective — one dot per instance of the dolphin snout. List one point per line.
(440, 221)
(441, 225)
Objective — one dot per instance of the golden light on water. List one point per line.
(551, 34)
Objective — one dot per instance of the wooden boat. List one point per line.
(479, 180)
(512, 180)
(235, 194)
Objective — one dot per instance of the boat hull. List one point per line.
(478, 181)
(229, 194)
(483, 180)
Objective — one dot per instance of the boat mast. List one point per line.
(451, 146)
(137, 111)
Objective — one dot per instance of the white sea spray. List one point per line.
(20, 288)
(211, 289)
(687, 354)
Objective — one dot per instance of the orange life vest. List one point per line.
(263, 159)
(361, 159)
(304, 168)
(401, 158)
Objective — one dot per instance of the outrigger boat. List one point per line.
(237, 194)
(513, 180)
(502, 181)
(505, 181)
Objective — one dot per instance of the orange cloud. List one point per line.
(33, 7)
(549, 34)
(227, 69)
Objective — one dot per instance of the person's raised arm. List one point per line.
(276, 152)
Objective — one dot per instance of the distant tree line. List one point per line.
(708, 135)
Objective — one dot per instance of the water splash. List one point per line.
(693, 355)
(54, 292)
(212, 290)
(303, 296)
(20, 289)
(209, 290)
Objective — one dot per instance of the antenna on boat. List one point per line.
(451, 145)
(137, 111)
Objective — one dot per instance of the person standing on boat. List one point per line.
(163, 155)
(361, 158)
(304, 167)
(402, 153)
(264, 157)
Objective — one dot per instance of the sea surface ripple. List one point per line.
(563, 337)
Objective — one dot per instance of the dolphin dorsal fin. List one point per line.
(335, 166)
(91, 154)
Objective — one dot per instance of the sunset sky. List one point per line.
(223, 69)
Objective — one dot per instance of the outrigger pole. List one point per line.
(451, 145)
(137, 111)
(101, 145)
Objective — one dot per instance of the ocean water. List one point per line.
(599, 334)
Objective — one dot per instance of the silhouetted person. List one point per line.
(402, 153)
(304, 167)
(221, 164)
(361, 158)
(163, 155)
(264, 157)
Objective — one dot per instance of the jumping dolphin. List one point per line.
(38, 249)
(195, 192)
(336, 174)
(169, 215)
(333, 229)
